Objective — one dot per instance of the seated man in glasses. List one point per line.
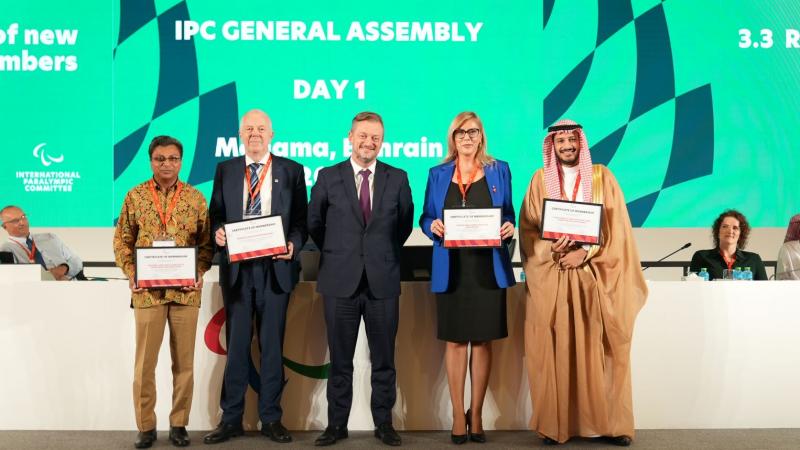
(45, 249)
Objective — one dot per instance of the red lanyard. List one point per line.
(729, 262)
(31, 253)
(574, 189)
(261, 179)
(464, 187)
(165, 216)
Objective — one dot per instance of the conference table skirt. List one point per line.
(705, 355)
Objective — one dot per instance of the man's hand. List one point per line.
(437, 227)
(507, 230)
(573, 259)
(219, 237)
(60, 272)
(133, 288)
(288, 255)
(197, 285)
(562, 245)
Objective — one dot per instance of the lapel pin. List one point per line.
(276, 180)
(494, 189)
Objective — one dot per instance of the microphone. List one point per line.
(685, 246)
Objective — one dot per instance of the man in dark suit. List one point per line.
(360, 215)
(257, 184)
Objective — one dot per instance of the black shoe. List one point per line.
(178, 436)
(548, 441)
(145, 439)
(331, 435)
(474, 437)
(622, 441)
(223, 432)
(458, 439)
(276, 431)
(385, 432)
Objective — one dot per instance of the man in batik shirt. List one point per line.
(163, 211)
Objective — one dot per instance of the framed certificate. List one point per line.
(472, 227)
(255, 238)
(577, 220)
(165, 267)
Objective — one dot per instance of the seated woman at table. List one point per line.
(789, 254)
(730, 232)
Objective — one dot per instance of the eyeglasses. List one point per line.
(16, 221)
(460, 133)
(161, 160)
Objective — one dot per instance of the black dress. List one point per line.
(473, 308)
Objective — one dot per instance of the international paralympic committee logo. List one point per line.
(213, 342)
(47, 160)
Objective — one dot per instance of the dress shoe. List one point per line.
(145, 439)
(459, 439)
(474, 437)
(277, 432)
(223, 432)
(548, 441)
(331, 435)
(385, 432)
(622, 441)
(178, 436)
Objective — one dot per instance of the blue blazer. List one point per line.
(349, 247)
(498, 177)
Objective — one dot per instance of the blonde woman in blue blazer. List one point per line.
(470, 284)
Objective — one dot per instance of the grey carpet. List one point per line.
(760, 439)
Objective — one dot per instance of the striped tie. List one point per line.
(254, 203)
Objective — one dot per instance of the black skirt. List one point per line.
(473, 308)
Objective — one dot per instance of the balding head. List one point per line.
(255, 132)
(14, 221)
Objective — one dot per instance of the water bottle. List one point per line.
(737, 274)
(703, 274)
(747, 274)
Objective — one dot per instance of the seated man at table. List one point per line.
(45, 249)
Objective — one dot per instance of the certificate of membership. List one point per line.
(255, 238)
(472, 227)
(579, 221)
(165, 267)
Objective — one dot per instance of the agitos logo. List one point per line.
(213, 340)
(47, 160)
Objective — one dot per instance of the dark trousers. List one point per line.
(343, 317)
(255, 295)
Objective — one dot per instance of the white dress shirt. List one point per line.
(266, 188)
(357, 175)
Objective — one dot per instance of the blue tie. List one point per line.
(254, 203)
(38, 255)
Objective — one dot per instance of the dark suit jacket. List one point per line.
(348, 245)
(498, 176)
(288, 199)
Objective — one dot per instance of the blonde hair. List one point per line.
(481, 155)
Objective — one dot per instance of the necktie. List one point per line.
(38, 255)
(363, 199)
(254, 203)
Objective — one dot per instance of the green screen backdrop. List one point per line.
(693, 111)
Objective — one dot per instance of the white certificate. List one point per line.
(472, 227)
(579, 221)
(255, 238)
(165, 267)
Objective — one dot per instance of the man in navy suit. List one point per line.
(360, 214)
(257, 184)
